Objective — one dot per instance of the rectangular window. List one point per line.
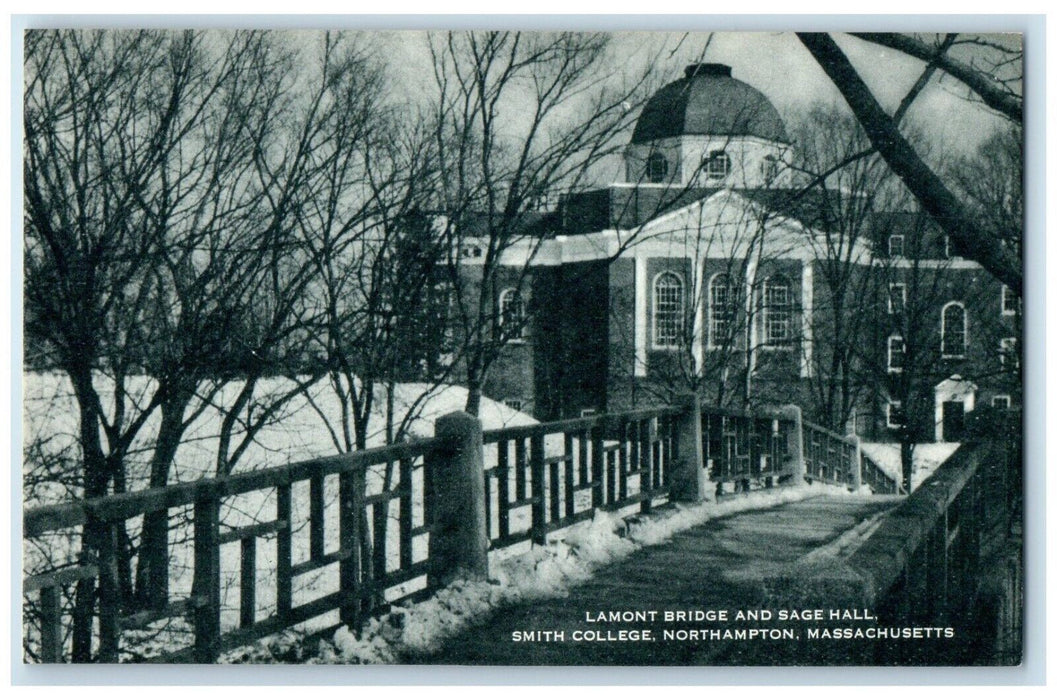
(896, 353)
(1009, 301)
(894, 414)
(1001, 401)
(721, 312)
(1007, 353)
(777, 311)
(516, 404)
(778, 327)
(897, 297)
(895, 245)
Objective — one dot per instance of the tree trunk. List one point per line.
(473, 397)
(95, 484)
(152, 573)
(906, 459)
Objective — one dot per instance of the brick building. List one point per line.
(708, 270)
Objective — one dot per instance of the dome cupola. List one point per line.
(708, 101)
(708, 129)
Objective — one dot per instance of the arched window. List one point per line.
(667, 310)
(511, 314)
(656, 168)
(717, 167)
(953, 330)
(777, 311)
(721, 306)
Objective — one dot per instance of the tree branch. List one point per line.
(934, 197)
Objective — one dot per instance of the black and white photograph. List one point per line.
(520, 348)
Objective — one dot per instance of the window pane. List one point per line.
(895, 245)
(667, 310)
(656, 168)
(777, 312)
(953, 338)
(511, 314)
(718, 165)
(721, 311)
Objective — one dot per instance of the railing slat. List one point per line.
(647, 435)
(379, 515)
(570, 475)
(406, 505)
(519, 469)
(597, 466)
(622, 465)
(315, 517)
(248, 583)
(503, 488)
(539, 515)
(284, 551)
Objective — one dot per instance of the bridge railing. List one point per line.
(949, 557)
(383, 504)
(741, 446)
(771, 445)
(356, 533)
(361, 490)
(877, 478)
(829, 458)
(545, 477)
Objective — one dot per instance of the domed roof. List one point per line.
(708, 101)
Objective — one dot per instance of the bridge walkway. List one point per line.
(722, 564)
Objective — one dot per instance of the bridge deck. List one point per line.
(718, 565)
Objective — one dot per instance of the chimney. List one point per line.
(717, 69)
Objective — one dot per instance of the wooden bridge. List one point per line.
(356, 534)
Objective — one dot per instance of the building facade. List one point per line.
(709, 271)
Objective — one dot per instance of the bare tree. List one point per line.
(105, 115)
(934, 195)
(166, 177)
(842, 194)
(518, 117)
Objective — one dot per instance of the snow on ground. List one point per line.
(301, 431)
(543, 572)
(927, 456)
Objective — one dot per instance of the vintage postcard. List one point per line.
(522, 348)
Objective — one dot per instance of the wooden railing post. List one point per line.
(855, 475)
(458, 543)
(795, 442)
(110, 596)
(350, 520)
(689, 477)
(205, 589)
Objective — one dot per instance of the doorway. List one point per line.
(953, 421)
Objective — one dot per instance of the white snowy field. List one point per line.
(927, 457)
(302, 431)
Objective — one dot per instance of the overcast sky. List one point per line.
(777, 64)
